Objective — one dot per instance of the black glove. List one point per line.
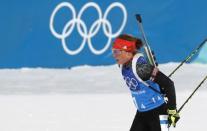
(173, 117)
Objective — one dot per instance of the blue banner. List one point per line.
(60, 34)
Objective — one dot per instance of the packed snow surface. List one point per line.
(89, 98)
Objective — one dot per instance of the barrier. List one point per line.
(61, 34)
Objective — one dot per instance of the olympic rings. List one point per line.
(82, 28)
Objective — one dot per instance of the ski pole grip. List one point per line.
(138, 17)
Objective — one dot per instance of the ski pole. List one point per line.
(192, 94)
(188, 57)
(146, 45)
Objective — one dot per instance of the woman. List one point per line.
(153, 92)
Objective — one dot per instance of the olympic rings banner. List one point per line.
(88, 34)
(64, 34)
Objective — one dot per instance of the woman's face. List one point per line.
(121, 56)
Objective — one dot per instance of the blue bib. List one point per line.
(145, 99)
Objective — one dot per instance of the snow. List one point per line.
(88, 98)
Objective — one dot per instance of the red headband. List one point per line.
(125, 45)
